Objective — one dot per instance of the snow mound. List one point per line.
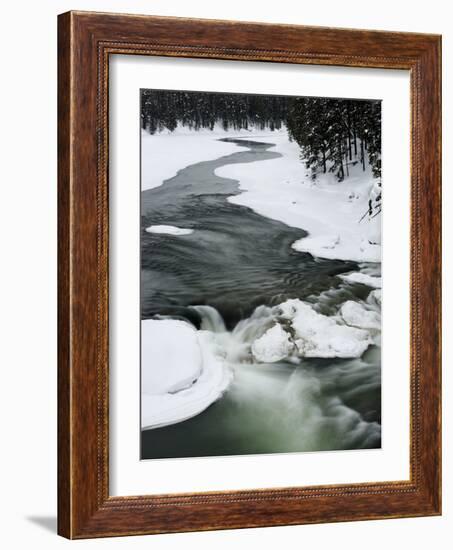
(356, 315)
(362, 278)
(183, 372)
(273, 346)
(168, 368)
(168, 230)
(302, 332)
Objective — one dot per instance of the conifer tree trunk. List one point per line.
(340, 157)
(362, 153)
(349, 132)
(355, 140)
(346, 158)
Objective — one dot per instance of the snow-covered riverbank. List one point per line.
(164, 153)
(330, 211)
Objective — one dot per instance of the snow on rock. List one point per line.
(302, 332)
(273, 346)
(168, 230)
(183, 372)
(362, 278)
(356, 315)
(321, 336)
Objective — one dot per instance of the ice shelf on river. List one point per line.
(182, 372)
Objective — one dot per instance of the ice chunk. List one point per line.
(317, 335)
(362, 278)
(374, 298)
(168, 230)
(302, 332)
(329, 339)
(274, 345)
(356, 315)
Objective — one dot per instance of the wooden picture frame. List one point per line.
(85, 42)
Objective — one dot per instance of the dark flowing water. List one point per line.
(234, 261)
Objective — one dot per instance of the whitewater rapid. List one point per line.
(301, 404)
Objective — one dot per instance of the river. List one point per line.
(233, 262)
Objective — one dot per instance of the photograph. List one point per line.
(260, 270)
(224, 224)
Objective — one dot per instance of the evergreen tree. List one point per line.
(327, 130)
(332, 133)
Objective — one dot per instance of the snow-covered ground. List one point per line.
(183, 372)
(330, 211)
(164, 153)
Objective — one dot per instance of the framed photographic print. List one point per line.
(249, 275)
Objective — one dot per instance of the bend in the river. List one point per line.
(235, 259)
